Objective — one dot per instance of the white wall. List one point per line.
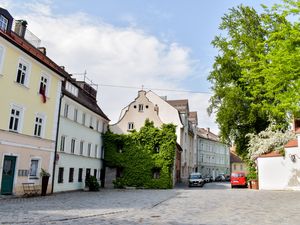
(280, 173)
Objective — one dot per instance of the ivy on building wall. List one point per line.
(144, 158)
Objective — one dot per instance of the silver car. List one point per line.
(196, 180)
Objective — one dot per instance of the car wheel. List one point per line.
(232, 186)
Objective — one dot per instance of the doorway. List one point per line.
(8, 174)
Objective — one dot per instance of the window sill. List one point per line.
(22, 85)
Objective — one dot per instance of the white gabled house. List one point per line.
(79, 146)
(277, 172)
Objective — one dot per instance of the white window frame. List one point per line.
(141, 107)
(96, 151)
(91, 122)
(89, 149)
(41, 124)
(3, 23)
(83, 118)
(46, 84)
(66, 110)
(73, 146)
(19, 117)
(36, 175)
(62, 143)
(75, 114)
(81, 147)
(130, 125)
(23, 62)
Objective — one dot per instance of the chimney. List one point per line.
(20, 27)
(42, 49)
(208, 130)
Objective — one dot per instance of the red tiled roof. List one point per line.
(292, 143)
(271, 154)
(235, 158)
(207, 134)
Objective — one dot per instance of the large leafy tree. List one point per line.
(256, 75)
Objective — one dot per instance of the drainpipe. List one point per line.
(56, 142)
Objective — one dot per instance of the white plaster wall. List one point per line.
(280, 173)
(132, 114)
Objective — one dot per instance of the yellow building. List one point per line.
(30, 89)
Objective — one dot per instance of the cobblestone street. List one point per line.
(216, 204)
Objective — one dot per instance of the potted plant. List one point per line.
(45, 179)
(252, 178)
(92, 183)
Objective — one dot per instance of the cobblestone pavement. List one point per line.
(215, 204)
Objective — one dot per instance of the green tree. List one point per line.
(256, 76)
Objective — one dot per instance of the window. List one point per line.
(97, 125)
(91, 122)
(38, 126)
(66, 111)
(81, 147)
(89, 149)
(34, 168)
(95, 172)
(22, 73)
(72, 89)
(71, 175)
(96, 150)
(102, 152)
(80, 175)
(60, 175)
(83, 118)
(62, 143)
(87, 173)
(130, 126)
(241, 167)
(141, 107)
(75, 114)
(44, 84)
(73, 146)
(3, 23)
(15, 119)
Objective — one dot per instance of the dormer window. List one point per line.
(141, 107)
(3, 23)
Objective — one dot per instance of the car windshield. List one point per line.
(237, 175)
(195, 176)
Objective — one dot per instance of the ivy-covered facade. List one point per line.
(144, 158)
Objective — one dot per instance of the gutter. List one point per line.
(56, 142)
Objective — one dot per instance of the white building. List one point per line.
(79, 146)
(213, 155)
(159, 110)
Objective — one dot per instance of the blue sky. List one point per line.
(155, 43)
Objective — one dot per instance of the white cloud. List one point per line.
(113, 55)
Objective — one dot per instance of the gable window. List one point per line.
(71, 175)
(75, 114)
(73, 146)
(33, 172)
(89, 149)
(23, 72)
(60, 175)
(66, 110)
(38, 126)
(15, 119)
(3, 23)
(81, 148)
(130, 126)
(62, 143)
(141, 107)
(44, 85)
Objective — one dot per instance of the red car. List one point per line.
(238, 179)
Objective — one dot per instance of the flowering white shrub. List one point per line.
(267, 141)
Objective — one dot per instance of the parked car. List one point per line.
(208, 178)
(238, 179)
(220, 178)
(227, 177)
(196, 179)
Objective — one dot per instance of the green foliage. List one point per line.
(44, 173)
(139, 156)
(92, 183)
(256, 77)
(252, 173)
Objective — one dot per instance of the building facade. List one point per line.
(30, 87)
(79, 146)
(213, 155)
